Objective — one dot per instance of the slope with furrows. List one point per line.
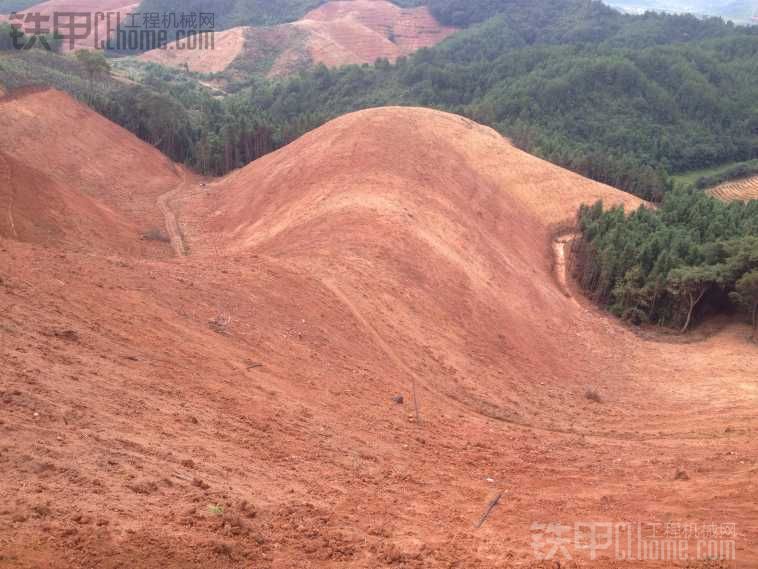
(235, 408)
(739, 190)
(370, 219)
(89, 173)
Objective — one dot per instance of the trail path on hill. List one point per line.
(11, 196)
(384, 346)
(172, 225)
(560, 244)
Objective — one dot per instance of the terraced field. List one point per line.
(744, 190)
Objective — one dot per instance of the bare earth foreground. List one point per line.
(234, 407)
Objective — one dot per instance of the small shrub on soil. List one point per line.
(156, 234)
(593, 395)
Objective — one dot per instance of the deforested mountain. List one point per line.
(626, 100)
(380, 284)
(99, 17)
(72, 177)
(632, 101)
(366, 337)
(336, 33)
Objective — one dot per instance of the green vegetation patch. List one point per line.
(691, 257)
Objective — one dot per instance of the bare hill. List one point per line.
(39, 210)
(335, 33)
(227, 46)
(235, 407)
(95, 176)
(103, 14)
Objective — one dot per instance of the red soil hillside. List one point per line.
(103, 14)
(360, 31)
(227, 46)
(234, 408)
(77, 177)
(336, 33)
(38, 210)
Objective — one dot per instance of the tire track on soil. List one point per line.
(11, 196)
(171, 223)
(383, 345)
(558, 249)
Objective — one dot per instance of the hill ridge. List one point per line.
(253, 403)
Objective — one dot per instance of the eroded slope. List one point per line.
(87, 180)
(235, 408)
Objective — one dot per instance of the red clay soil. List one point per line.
(78, 161)
(186, 53)
(36, 209)
(368, 29)
(234, 407)
(102, 13)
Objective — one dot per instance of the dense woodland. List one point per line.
(673, 265)
(13, 40)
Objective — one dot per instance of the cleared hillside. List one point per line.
(335, 34)
(92, 177)
(37, 209)
(227, 46)
(103, 15)
(235, 407)
(406, 139)
(740, 190)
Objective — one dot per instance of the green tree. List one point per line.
(746, 293)
(691, 284)
(659, 265)
(95, 66)
(9, 38)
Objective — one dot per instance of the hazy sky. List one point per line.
(742, 10)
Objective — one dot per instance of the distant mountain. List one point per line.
(336, 33)
(741, 11)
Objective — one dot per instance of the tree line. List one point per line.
(674, 265)
(14, 39)
(736, 172)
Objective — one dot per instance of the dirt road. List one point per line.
(172, 225)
